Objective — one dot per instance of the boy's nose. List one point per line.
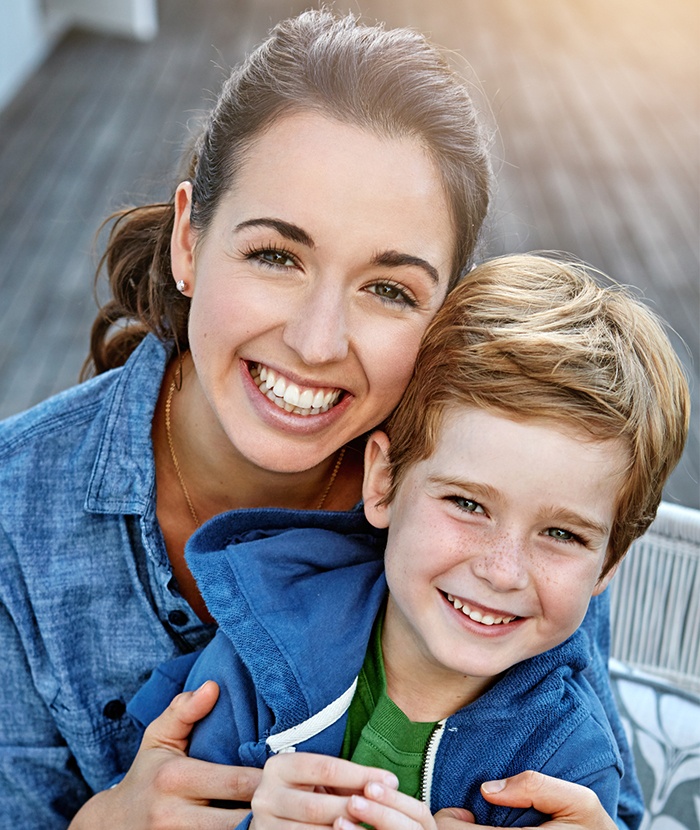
(503, 566)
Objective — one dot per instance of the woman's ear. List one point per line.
(182, 241)
(377, 480)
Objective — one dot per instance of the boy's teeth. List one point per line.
(477, 616)
(289, 396)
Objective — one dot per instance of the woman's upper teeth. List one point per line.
(477, 616)
(303, 400)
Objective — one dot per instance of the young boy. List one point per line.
(542, 421)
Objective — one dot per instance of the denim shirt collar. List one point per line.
(123, 476)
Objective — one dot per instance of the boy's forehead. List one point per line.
(489, 448)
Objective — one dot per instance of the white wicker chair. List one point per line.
(655, 669)
(655, 599)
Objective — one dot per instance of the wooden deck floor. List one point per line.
(597, 153)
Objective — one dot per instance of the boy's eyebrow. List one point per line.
(561, 514)
(286, 229)
(481, 490)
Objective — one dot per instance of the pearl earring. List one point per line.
(181, 285)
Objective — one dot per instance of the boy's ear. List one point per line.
(377, 480)
(604, 581)
(182, 240)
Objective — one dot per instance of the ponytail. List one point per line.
(143, 294)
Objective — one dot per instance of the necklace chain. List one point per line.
(183, 486)
(339, 461)
(168, 432)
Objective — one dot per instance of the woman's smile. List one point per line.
(274, 404)
(292, 397)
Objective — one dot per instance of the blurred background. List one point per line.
(594, 108)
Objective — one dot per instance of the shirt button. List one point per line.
(114, 709)
(178, 617)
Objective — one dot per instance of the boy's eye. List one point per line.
(392, 293)
(468, 505)
(563, 535)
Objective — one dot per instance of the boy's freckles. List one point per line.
(482, 567)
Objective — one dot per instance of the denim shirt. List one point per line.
(88, 603)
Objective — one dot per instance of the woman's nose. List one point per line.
(504, 565)
(316, 327)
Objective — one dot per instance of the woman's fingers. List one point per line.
(164, 788)
(201, 781)
(134, 810)
(570, 805)
(455, 818)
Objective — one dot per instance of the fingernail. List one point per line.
(391, 781)
(197, 691)
(359, 803)
(375, 790)
(493, 786)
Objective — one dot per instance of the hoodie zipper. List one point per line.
(426, 784)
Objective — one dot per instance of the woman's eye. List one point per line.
(272, 257)
(391, 293)
(280, 259)
(468, 505)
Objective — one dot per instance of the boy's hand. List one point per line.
(571, 806)
(386, 809)
(166, 789)
(310, 789)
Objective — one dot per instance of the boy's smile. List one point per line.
(496, 543)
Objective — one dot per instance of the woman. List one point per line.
(261, 322)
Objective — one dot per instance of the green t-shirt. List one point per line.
(378, 734)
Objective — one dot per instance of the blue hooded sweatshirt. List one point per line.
(295, 595)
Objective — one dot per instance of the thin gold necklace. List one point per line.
(339, 461)
(168, 432)
(183, 486)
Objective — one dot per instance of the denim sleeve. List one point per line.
(40, 785)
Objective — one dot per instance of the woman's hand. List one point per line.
(166, 790)
(572, 806)
(311, 789)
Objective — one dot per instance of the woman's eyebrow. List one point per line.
(296, 234)
(395, 258)
(292, 232)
